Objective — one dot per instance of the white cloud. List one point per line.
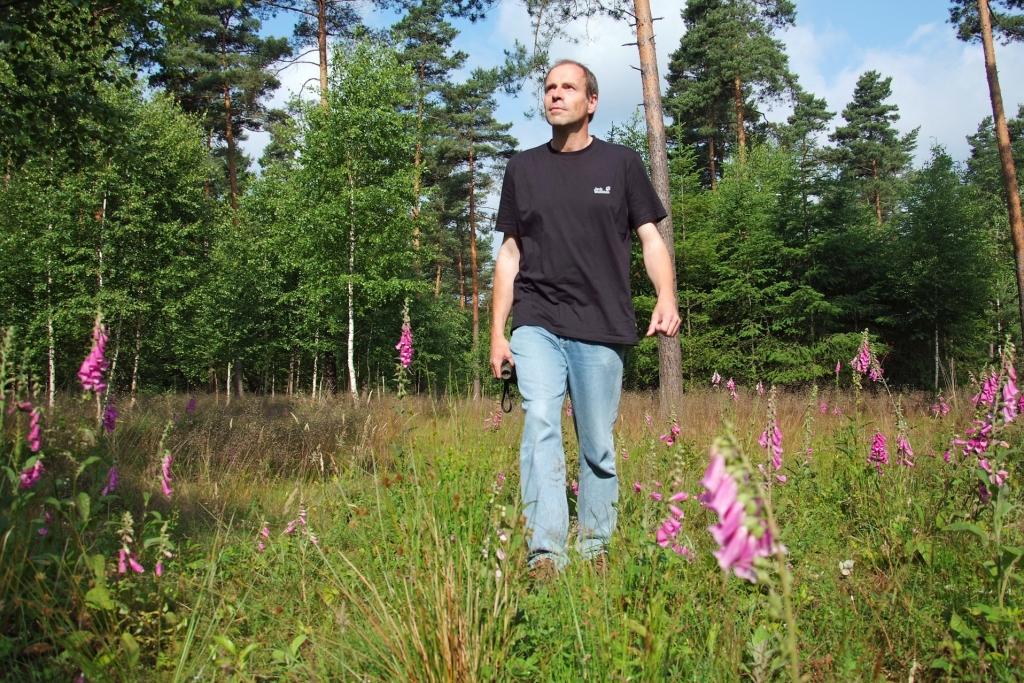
(938, 82)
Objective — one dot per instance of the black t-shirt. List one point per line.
(573, 214)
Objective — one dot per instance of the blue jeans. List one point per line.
(546, 364)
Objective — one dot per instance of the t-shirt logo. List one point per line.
(607, 189)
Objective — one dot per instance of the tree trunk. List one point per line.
(741, 132)
(229, 135)
(437, 281)
(936, 383)
(227, 386)
(462, 280)
(353, 388)
(321, 41)
(669, 355)
(51, 353)
(1005, 152)
(712, 164)
(135, 364)
(239, 379)
(291, 373)
(330, 380)
(876, 195)
(417, 163)
(316, 358)
(473, 272)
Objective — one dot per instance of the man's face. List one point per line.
(565, 96)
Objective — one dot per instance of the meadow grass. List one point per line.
(407, 556)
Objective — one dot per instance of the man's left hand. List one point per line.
(664, 319)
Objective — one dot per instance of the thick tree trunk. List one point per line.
(474, 275)
(321, 42)
(936, 382)
(741, 131)
(239, 379)
(1005, 152)
(669, 355)
(437, 281)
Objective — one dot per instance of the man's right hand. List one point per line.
(500, 352)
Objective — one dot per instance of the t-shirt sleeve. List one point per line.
(508, 211)
(644, 205)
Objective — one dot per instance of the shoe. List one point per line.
(543, 570)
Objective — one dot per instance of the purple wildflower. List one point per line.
(35, 431)
(165, 475)
(30, 475)
(90, 374)
(110, 416)
(404, 345)
(190, 407)
(904, 453)
(731, 386)
(716, 379)
(112, 481)
(879, 454)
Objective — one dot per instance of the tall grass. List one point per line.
(396, 575)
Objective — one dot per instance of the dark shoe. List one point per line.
(543, 570)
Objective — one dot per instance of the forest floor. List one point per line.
(382, 541)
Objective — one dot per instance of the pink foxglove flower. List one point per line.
(839, 367)
(673, 434)
(404, 345)
(122, 564)
(771, 437)
(90, 374)
(656, 496)
(904, 453)
(989, 389)
(31, 475)
(110, 416)
(575, 486)
(165, 475)
(862, 361)
(823, 407)
(716, 379)
(940, 408)
(159, 568)
(879, 454)
(731, 386)
(648, 419)
(679, 496)
(112, 481)
(133, 562)
(760, 388)
(741, 538)
(637, 487)
(35, 431)
(1010, 394)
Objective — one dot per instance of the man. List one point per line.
(567, 210)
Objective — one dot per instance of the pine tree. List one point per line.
(475, 139)
(217, 65)
(869, 149)
(981, 22)
(728, 62)
(941, 268)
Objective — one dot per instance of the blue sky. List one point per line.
(938, 82)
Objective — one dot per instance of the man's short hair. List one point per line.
(589, 77)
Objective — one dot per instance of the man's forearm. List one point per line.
(506, 268)
(659, 268)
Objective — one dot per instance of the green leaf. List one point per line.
(296, 644)
(98, 565)
(131, 646)
(98, 597)
(84, 506)
(970, 527)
